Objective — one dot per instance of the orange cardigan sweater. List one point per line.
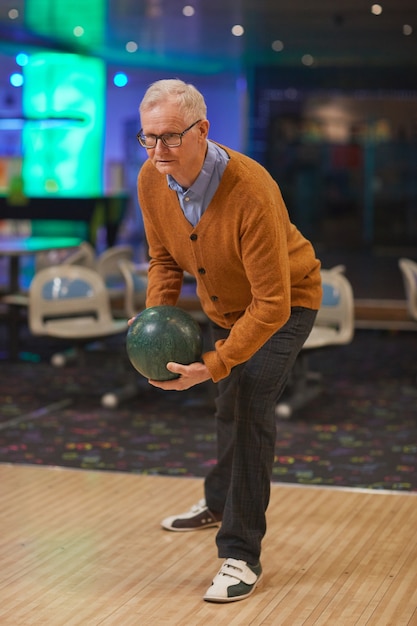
(250, 262)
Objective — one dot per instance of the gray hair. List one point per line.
(190, 101)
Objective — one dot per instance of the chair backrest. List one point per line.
(409, 273)
(337, 308)
(84, 254)
(67, 291)
(136, 282)
(107, 264)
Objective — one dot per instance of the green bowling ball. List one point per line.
(161, 334)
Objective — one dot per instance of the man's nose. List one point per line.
(160, 144)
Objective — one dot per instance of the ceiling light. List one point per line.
(237, 30)
(22, 59)
(407, 29)
(78, 31)
(307, 59)
(376, 9)
(277, 45)
(131, 46)
(120, 79)
(16, 80)
(188, 10)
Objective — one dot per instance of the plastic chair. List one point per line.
(108, 266)
(71, 303)
(135, 277)
(84, 254)
(334, 326)
(408, 270)
(18, 302)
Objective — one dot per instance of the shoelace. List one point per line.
(200, 506)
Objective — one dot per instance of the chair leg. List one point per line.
(303, 386)
(60, 359)
(112, 399)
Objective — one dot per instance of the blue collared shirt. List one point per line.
(196, 199)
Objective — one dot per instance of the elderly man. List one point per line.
(217, 214)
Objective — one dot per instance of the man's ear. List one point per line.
(203, 128)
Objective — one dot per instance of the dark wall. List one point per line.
(342, 145)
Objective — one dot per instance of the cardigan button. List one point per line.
(193, 237)
(214, 298)
(201, 270)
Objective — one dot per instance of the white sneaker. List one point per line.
(235, 580)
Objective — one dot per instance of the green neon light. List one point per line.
(60, 18)
(63, 98)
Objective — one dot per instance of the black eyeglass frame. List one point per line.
(139, 137)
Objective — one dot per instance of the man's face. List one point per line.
(185, 161)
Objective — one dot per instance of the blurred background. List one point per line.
(323, 94)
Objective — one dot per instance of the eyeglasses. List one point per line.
(170, 140)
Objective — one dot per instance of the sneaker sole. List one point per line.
(219, 600)
(188, 530)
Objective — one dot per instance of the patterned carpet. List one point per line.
(360, 432)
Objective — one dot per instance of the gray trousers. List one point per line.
(239, 484)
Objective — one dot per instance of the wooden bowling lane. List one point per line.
(86, 548)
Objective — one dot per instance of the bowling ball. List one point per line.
(160, 334)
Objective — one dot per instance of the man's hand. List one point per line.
(190, 375)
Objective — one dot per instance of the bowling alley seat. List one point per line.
(107, 265)
(70, 303)
(408, 270)
(334, 326)
(84, 254)
(135, 277)
(135, 283)
(18, 302)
